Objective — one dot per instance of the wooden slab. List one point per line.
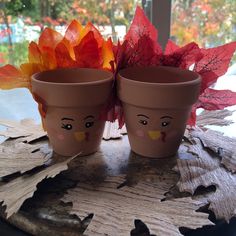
(46, 214)
(84, 200)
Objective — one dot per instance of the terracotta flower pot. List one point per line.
(157, 103)
(74, 99)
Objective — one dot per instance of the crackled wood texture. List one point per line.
(205, 169)
(27, 129)
(21, 157)
(148, 193)
(116, 209)
(214, 118)
(222, 145)
(15, 192)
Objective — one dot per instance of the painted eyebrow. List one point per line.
(143, 116)
(65, 118)
(166, 117)
(88, 117)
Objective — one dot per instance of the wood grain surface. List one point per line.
(116, 192)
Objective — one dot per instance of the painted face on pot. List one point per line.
(81, 132)
(154, 127)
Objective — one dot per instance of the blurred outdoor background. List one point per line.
(207, 22)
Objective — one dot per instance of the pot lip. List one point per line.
(144, 83)
(100, 81)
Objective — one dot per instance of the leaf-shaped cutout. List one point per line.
(205, 170)
(21, 157)
(14, 193)
(115, 209)
(25, 128)
(224, 146)
(216, 117)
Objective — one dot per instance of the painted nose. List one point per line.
(80, 136)
(154, 134)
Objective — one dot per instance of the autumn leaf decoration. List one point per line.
(79, 47)
(140, 48)
(85, 47)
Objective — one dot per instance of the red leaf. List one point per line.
(143, 53)
(171, 47)
(63, 57)
(122, 54)
(87, 53)
(140, 26)
(214, 63)
(217, 99)
(9, 71)
(192, 118)
(97, 35)
(182, 57)
(42, 105)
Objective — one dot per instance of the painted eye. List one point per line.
(66, 126)
(164, 123)
(89, 124)
(143, 122)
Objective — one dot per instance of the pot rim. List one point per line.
(196, 80)
(107, 74)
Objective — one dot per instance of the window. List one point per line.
(22, 21)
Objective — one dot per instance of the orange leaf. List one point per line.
(63, 58)
(34, 54)
(49, 59)
(87, 53)
(11, 77)
(73, 32)
(72, 36)
(28, 69)
(107, 54)
(69, 46)
(49, 39)
(91, 28)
